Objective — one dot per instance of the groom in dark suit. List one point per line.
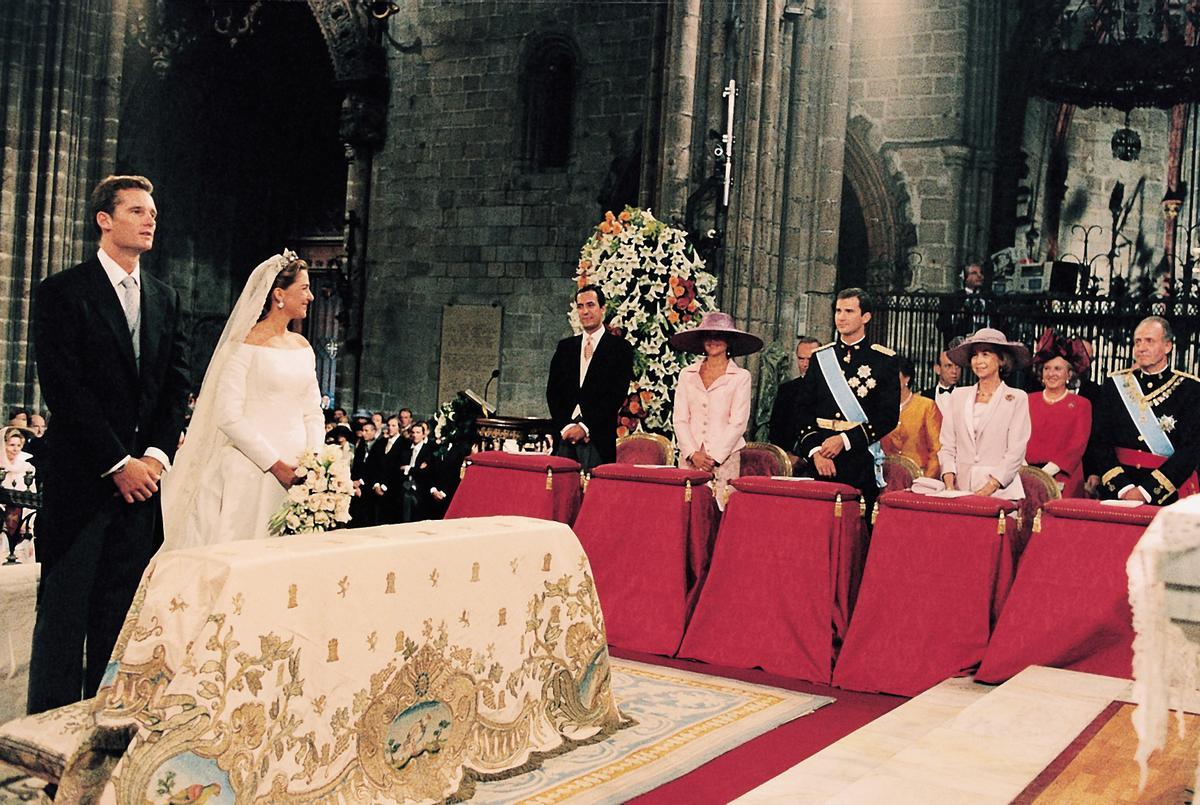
(112, 364)
(588, 383)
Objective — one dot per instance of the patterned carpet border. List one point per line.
(683, 719)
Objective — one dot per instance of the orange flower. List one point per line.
(634, 406)
(646, 396)
(625, 216)
(606, 227)
(584, 265)
(672, 317)
(622, 431)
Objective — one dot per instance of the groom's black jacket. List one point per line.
(103, 405)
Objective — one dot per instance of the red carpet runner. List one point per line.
(753, 763)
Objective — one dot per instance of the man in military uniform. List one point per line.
(849, 399)
(1146, 425)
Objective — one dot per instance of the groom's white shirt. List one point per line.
(115, 275)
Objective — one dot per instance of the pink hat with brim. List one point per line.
(993, 339)
(713, 324)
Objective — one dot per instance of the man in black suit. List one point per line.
(783, 428)
(386, 466)
(362, 503)
(112, 364)
(589, 381)
(419, 475)
(948, 373)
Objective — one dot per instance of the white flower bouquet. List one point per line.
(655, 285)
(321, 501)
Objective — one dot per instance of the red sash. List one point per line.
(1143, 460)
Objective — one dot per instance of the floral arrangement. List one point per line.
(321, 501)
(655, 285)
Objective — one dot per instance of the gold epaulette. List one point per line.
(883, 349)
(1188, 375)
(825, 346)
(1122, 371)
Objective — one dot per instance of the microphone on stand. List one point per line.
(495, 374)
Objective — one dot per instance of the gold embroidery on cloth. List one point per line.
(391, 583)
(291, 596)
(474, 571)
(333, 650)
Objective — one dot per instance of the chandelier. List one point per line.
(1122, 54)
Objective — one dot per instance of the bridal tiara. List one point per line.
(288, 256)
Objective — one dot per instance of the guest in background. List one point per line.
(15, 461)
(783, 432)
(406, 423)
(986, 425)
(948, 374)
(388, 474)
(37, 428)
(917, 436)
(362, 504)
(712, 399)
(1061, 420)
(419, 475)
(378, 419)
(339, 416)
(18, 418)
(343, 437)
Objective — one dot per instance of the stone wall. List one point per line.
(922, 75)
(456, 217)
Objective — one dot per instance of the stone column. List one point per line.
(61, 69)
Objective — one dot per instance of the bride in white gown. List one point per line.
(258, 410)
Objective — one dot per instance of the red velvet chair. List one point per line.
(648, 534)
(645, 448)
(781, 583)
(899, 472)
(1040, 488)
(764, 458)
(1069, 605)
(528, 484)
(937, 573)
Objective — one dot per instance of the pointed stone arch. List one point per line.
(882, 201)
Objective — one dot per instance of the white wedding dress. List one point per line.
(269, 408)
(258, 405)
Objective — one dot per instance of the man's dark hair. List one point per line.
(339, 408)
(807, 339)
(600, 300)
(104, 197)
(404, 410)
(865, 302)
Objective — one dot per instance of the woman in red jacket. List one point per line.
(1061, 419)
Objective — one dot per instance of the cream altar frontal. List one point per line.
(383, 664)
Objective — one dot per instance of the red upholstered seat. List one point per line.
(528, 484)
(780, 584)
(937, 571)
(1069, 604)
(899, 472)
(648, 535)
(764, 458)
(1040, 488)
(644, 448)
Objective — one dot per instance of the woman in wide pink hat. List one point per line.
(986, 426)
(712, 399)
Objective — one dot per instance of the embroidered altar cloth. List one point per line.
(367, 665)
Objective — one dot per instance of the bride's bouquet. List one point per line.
(321, 501)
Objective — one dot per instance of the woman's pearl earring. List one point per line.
(280, 304)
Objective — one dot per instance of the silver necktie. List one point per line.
(129, 301)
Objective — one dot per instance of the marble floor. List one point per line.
(957, 742)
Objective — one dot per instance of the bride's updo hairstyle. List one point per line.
(283, 280)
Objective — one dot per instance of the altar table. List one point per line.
(1069, 604)
(369, 665)
(524, 484)
(782, 579)
(937, 572)
(648, 532)
(18, 610)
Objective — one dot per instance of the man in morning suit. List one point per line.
(782, 431)
(112, 364)
(851, 372)
(362, 503)
(589, 381)
(1146, 426)
(385, 465)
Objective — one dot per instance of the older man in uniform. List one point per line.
(1145, 428)
(849, 400)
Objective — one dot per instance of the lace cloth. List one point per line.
(1166, 664)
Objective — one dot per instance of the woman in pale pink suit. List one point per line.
(712, 400)
(986, 426)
